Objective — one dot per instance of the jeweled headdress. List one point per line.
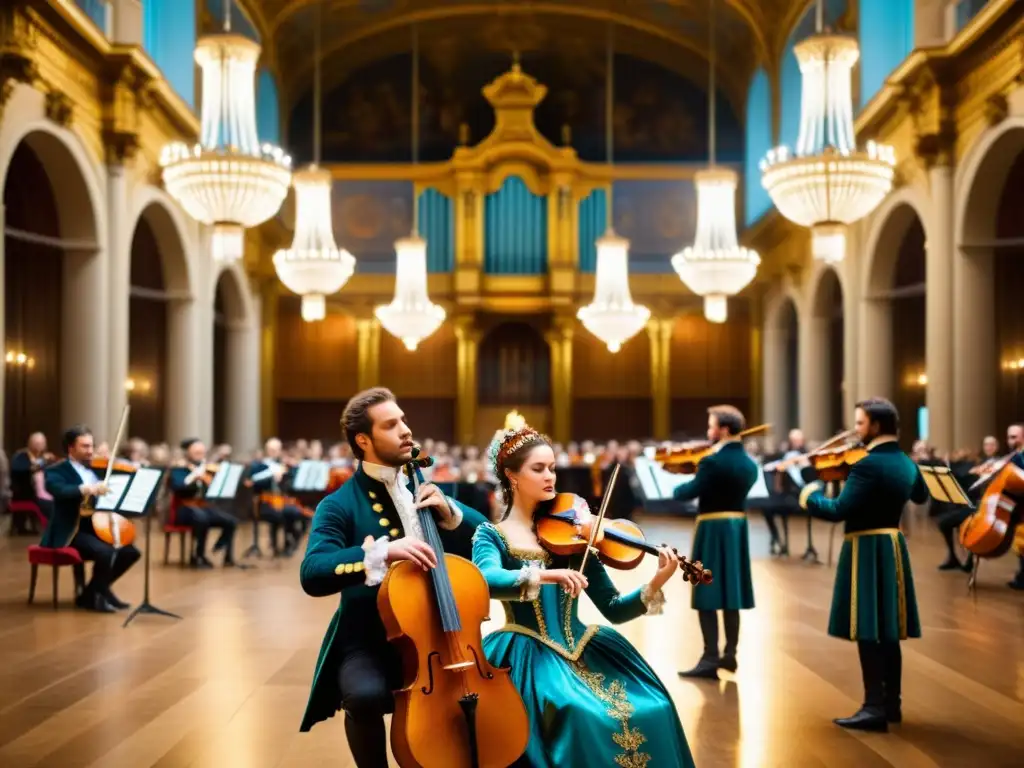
(506, 442)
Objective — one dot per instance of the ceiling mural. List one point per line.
(658, 115)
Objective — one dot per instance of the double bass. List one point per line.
(990, 530)
(114, 529)
(456, 710)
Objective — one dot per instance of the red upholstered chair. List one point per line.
(55, 557)
(27, 508)
(171, 528)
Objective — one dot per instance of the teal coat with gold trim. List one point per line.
(334, 565)
(63, 483)
(874, 597)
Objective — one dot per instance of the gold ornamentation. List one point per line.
(59, 108)
(384, 522)
(393, 533)
(373, 495)
(615, 698)
(378, 508)
(519, 553)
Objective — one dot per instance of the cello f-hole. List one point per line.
(429, 689)
(479, 669)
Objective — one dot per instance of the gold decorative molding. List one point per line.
(18, 46)
(59, 108)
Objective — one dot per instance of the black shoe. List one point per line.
(91, 601)
(201, 562)
(706, 669)
(951, 564)
(1017, 583)
(728, 663)
(894, 714)
(114, 601)
(867, 719)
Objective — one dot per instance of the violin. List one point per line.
(830, 461)
(116, 530)
(456, 710)
(683, 459)
(569, 527)
(337, 477)
(990, 530)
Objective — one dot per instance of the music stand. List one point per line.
(224, 487)
(943, 486)
(131, 498)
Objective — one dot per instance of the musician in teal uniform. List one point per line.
(188, 485)
(591, 698)
(71, 482)
(721, 539)
(1015, 440)
(873, 602)
(270, 476)
(358, 531)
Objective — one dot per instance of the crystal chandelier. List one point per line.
(228, 180)
(829, 183)
(612, 316)
(716, 266)
(411, 316)
(314, 266)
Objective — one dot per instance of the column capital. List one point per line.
(660, 328)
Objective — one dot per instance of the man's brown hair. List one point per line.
(355, 419)
(728, 417)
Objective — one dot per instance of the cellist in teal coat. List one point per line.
(368, 523)
(721, 540)
(873, 602)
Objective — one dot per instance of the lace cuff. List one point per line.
(376, 561)
(528, 581)
(456, 518)
(654, 602)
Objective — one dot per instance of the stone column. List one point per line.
(119, 238)
(467, 338)
(774, 381)
(368, 355)
(875, 374)
(559, 340)
(813, 376)
(242, 384)
(976, 373)
(85, 331)
(938, 314)
(184, 415)
(269, 296)
(660, 332)
(3, 316)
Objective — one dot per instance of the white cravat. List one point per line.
(405, 505)
(88, 476)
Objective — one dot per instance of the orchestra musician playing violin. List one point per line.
(1015, 442)
(358, 531)
(591, 697)
(71, 483)
(873, 602)
(268, 477)
(189, 484)
(721, 538)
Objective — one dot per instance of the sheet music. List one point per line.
(225, 482)
(312, 476)
(117, 485)
(141, 489)
(657, 483)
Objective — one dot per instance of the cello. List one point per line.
(990, 530)
(114, 529)
(452, 695)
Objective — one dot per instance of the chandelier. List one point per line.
(228, 180)
(829, 183)
(314, 266)
(411, 316)
(716, 266)
(612, 316)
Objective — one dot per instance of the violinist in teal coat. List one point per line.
(873, 602)
(367, 524)
(721, 540)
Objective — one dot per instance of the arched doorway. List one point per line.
(159, 275)
(513, 371)
(988, 277)
(896, 296)
(236, 363)
(52, 274)
(828, 310)
(781, 368)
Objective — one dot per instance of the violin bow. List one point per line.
(117, 442)
(600, 515)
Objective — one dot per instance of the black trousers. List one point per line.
(108, 564)
(366, 678)
(881, 667)
(289, 519)
(709, 630)
(950, 520)
(202, 519)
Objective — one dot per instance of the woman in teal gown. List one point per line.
(591, 697)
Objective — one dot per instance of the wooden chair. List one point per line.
(55, 557)
(171, 529)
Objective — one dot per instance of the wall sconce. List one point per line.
(20, 360)
(138, 386)
(916, 380)
(1014, 365)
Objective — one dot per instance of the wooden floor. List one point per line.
(225, 687)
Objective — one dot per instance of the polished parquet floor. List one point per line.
(225, 687)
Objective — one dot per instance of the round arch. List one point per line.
(177, 244)
(889, 225)
(980, 179)
(775, 315)
(239, 307)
